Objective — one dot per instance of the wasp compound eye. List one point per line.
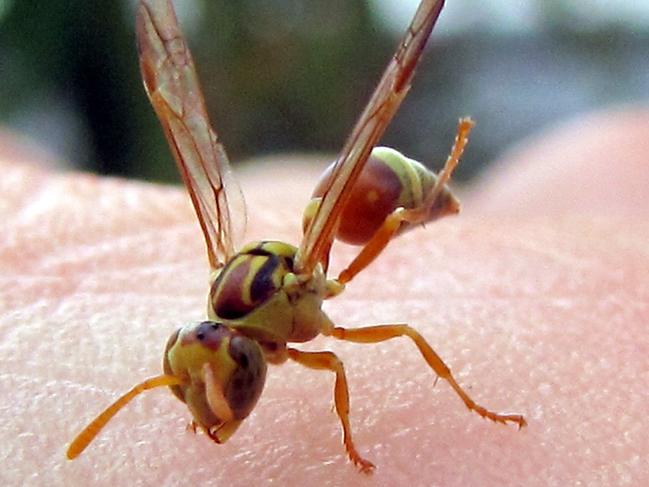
(247, 380)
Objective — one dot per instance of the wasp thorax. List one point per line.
(389, 180)
(250, 278)
(223, 371)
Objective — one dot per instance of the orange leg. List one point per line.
(393, 221)
(379, 333)
(329, 361)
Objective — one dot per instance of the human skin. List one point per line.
(539, 312)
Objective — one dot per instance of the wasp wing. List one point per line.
(171, 82)
(369, 128)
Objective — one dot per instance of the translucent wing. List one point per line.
(378, 113)
(172, 85)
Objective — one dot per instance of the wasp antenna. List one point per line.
(89, 433)
(464, 127)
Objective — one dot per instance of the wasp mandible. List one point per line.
(269, 294)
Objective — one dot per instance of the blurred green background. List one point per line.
(292, 75)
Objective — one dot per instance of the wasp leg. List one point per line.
(192, 427)
(329, 361)
(380, 333)
(386, 232)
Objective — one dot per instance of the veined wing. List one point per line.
(369, 128)
(172, 85)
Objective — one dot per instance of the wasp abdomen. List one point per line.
(389, 180)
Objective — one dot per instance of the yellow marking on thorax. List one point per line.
(256, 261)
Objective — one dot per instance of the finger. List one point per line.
(535, 318)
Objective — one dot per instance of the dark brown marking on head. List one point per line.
(210, 334)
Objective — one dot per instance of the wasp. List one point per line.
(269, 294)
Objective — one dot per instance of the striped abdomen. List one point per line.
(389, 180)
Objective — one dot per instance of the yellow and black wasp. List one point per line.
(269, 294)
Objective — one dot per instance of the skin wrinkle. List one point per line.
(546, 329)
